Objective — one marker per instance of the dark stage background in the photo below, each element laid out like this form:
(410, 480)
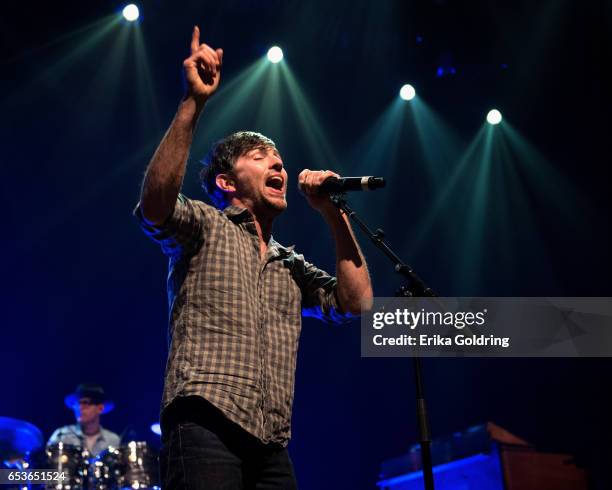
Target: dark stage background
(84, 299)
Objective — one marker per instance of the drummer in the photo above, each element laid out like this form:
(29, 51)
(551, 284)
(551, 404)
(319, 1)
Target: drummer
(88, 403)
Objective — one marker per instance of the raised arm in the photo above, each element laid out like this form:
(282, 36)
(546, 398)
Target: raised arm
(164, 175)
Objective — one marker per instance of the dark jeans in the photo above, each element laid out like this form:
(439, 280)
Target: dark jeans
(203, 450)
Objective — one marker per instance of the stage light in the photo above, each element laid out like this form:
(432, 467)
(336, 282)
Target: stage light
(494, 117)
(407, 92)
(156, 428)
(275, 54)
(130, 12)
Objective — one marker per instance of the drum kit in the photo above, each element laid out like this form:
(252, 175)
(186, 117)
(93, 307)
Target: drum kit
(130, 466)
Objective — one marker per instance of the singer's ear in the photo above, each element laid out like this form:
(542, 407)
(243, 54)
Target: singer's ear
(225, 183)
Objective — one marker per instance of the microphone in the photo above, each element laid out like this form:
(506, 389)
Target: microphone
(350, 184)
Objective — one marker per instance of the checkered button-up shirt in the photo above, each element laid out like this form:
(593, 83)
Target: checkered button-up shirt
(235, 319)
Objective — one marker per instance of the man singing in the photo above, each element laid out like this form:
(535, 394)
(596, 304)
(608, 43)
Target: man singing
(236, 297)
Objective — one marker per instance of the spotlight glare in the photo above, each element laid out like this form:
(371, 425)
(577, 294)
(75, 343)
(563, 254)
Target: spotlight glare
(275, 54)
(494, 117)
(407, 92)
(130, 12)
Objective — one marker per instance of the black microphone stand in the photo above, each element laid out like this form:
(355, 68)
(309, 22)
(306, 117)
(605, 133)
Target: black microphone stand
(417, 288)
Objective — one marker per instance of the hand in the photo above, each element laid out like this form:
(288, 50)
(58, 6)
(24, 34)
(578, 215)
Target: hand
(202, 69)
(309, 182)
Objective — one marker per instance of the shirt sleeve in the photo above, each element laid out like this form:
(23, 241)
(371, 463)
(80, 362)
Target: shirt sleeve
(112, 438)
(183, 232)
(319, 298)
(54, 437)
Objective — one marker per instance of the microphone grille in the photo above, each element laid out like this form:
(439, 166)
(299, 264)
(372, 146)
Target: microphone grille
(376, 182)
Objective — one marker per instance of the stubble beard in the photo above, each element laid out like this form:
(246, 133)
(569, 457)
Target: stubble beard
(275, 205)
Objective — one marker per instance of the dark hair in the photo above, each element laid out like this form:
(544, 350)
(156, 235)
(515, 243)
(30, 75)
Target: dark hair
(222, 157)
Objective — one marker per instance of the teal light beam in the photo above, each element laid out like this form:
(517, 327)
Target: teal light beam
(54, 73)
(268, 117)
(449, 195)
(469, 269)
(438, 141)
(147, 94)
(312, 129)
(231, 108)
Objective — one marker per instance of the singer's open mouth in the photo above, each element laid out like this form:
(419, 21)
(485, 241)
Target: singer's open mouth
(275, 182)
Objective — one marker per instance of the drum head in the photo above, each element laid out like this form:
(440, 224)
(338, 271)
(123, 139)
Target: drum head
(139, 463)
(69, 460)
(104, 470)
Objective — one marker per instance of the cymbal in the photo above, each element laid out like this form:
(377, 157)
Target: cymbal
(18, 438)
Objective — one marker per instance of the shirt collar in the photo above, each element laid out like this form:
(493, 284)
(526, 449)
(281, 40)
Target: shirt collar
(281, 250)
(78, 431)
(238, 214)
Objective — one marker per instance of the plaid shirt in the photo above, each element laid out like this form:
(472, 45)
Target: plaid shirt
(235, 320)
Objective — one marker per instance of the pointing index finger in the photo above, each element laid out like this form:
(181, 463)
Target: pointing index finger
(195, 39)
